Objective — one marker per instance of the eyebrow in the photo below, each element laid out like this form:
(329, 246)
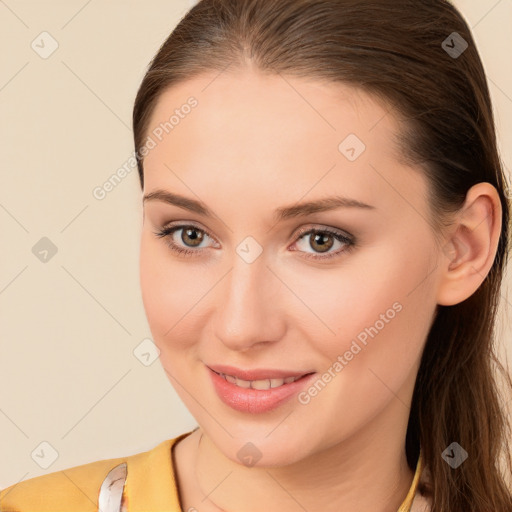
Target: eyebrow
(280, 214)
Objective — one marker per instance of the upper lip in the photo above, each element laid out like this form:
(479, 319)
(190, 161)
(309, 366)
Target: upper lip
(257, 373)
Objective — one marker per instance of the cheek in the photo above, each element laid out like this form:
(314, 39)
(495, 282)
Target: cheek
(169, 292)
(374, 311)
(379, 308)
(176, 294)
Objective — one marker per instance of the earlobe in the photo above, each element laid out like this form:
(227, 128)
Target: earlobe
(470, 249)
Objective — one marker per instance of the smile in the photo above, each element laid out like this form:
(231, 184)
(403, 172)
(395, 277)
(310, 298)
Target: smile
(259, 384)
(258, 396)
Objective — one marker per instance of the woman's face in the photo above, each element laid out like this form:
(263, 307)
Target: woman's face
(259, 289)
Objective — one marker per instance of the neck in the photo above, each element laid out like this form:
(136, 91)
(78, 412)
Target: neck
(367, 471)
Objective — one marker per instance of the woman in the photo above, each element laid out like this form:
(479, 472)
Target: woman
(272, 132)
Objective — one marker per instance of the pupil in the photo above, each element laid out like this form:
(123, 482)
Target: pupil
(319, 238)
(189, 234)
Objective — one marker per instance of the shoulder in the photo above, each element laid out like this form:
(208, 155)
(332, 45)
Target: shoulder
(76, 489)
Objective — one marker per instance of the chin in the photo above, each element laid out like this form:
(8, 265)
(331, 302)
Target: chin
(260, 450)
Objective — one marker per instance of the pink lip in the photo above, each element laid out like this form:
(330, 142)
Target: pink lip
(256, 401)
(256, 374)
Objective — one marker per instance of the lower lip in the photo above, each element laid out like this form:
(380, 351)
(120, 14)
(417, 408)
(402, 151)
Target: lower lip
(256, 401)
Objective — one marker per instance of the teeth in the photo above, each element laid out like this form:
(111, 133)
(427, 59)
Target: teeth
(229, 378)
(275, 383)
(258, 384)
(242, 383)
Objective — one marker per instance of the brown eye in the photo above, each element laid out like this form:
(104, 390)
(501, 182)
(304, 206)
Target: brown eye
(317, 243)
(190, 236)
(186, 243)
(321, 242)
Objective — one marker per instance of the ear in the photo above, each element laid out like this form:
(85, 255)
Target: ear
(470, 249)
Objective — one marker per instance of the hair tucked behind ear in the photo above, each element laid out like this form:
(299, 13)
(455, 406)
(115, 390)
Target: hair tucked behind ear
(392, 50)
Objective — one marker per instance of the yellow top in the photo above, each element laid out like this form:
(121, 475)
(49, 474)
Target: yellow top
(150, 486)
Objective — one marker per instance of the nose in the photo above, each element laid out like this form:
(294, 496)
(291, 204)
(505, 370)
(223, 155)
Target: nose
(248, 306)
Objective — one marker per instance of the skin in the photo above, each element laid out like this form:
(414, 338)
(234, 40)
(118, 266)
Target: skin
(255, 143)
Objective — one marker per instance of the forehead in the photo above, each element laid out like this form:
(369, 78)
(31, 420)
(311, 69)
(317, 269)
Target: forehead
(275, 133)
(248, 103)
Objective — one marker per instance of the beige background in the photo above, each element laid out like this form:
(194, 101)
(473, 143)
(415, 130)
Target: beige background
(69, 326)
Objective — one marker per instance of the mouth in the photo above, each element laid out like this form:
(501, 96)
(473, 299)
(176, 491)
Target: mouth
(258, 396)
(261, 384)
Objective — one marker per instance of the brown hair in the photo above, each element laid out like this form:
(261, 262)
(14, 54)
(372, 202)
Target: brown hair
(393, 50)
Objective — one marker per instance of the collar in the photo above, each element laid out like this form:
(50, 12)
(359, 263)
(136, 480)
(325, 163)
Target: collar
(406, 505)
(147, 483)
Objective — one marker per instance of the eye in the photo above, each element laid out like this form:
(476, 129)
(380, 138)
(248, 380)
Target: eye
(190, 235)
(188, 243)
(323, 240)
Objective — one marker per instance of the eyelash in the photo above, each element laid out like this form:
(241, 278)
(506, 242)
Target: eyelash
(349, 241)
